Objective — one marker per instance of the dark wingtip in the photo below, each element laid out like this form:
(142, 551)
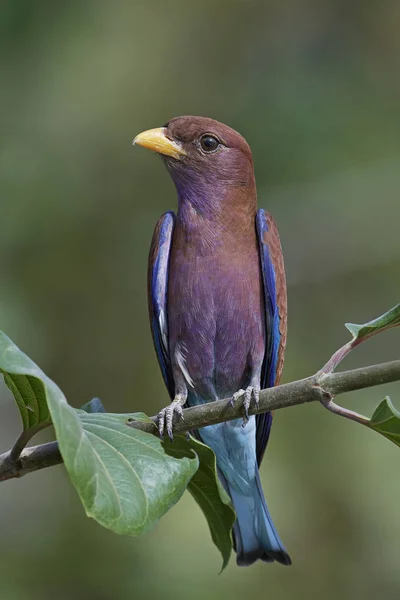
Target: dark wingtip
(280, 557)
(248, 558)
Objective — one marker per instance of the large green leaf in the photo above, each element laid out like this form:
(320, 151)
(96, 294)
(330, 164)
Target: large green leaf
(386, 420)
(124, 477)
(24, 380)
(390, 319)
(209, 494)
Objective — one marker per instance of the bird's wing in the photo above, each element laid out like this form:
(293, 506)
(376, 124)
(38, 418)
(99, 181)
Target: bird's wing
(275, 301)
(157, 281)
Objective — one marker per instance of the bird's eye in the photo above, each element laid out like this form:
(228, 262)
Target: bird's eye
(209, 143)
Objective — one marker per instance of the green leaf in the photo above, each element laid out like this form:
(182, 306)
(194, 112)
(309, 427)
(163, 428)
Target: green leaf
(386, 421)
(139, 416)
(124, 477)
(362, 332)
(24, 379)
(390, 319)
(207, 490)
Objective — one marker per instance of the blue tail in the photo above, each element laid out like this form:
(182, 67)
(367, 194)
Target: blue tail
(255, 536)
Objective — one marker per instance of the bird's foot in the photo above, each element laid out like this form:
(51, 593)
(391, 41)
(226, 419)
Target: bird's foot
(166, 416)
(249, 393)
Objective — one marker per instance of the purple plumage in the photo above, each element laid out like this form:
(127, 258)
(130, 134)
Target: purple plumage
(217, 300)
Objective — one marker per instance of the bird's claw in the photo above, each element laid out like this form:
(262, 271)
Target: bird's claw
(165, 418)
(248, 393)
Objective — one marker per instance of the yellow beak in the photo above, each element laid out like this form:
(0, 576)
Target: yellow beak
(156, 140)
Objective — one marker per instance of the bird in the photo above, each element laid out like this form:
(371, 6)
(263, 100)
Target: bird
(218, 309)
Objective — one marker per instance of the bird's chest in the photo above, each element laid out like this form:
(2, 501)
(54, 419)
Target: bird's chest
(215, 310)
(216, 294)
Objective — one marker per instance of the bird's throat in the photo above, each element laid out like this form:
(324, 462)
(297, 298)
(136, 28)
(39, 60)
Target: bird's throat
(209, 219)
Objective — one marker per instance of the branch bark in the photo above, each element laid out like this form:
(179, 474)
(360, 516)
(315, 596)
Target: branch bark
(321, 387)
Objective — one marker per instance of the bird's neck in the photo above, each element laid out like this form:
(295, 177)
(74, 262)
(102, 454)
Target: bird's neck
(211, 216)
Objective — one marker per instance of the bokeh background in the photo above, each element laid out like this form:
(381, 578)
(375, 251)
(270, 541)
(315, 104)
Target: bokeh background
(314, 87)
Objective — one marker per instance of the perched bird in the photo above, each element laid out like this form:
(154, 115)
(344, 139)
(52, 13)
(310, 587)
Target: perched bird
(217, 303)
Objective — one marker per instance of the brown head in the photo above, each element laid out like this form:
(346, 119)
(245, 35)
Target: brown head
(206, 159)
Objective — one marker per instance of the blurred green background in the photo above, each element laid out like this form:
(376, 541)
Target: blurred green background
(314, 87)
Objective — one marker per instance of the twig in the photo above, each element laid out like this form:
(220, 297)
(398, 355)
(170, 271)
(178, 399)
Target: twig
(23, 441)
(31, 459)
(322, 387)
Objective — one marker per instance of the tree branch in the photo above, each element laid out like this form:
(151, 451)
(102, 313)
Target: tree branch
(321, 387)
(31, 459)
(23, 441)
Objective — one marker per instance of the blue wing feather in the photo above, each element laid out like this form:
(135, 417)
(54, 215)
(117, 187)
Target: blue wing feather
(273, 336)
(158, 292)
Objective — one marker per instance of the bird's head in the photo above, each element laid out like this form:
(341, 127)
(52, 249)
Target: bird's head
(205, 158)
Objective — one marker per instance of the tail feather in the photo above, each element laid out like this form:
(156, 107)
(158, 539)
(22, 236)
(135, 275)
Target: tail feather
(255, 536)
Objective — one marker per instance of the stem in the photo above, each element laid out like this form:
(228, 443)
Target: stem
(23, 440)
(337, 358)
(345, 412)
(321, 387)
